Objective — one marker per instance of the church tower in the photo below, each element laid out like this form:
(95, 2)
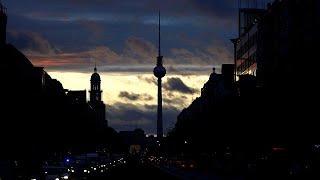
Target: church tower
(3, 24)
(95, 91)
(95, 100)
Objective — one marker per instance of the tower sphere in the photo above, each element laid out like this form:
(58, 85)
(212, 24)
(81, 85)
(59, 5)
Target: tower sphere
(159, 71)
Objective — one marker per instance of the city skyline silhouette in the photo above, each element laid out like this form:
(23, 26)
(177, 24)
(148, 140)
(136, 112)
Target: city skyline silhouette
(232, 94)
(126, 55)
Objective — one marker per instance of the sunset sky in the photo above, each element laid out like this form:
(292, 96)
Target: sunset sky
(67, 38)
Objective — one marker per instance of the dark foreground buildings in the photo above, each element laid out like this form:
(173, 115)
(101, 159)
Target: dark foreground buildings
(271, 99)
(39, 118)
(278, 48)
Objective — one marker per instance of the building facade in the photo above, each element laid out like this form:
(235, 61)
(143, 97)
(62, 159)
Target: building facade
(273, 43)
(245, 46)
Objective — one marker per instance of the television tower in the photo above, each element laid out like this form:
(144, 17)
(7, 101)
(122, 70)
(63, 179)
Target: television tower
(159, 71)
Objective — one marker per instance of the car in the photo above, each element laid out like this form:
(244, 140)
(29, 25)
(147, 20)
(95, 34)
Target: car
(187, 164)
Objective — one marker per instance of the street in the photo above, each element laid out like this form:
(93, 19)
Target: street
(134, 171)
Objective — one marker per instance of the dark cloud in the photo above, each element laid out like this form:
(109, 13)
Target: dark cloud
(150, 80)
(176, 84)
(42, 53)
(181, 52)
(130, 96)
(173, 95)
(183, 97)
(183, 15)
(188, 70)
(122, 116)
(135, 57)
(174, 101)
(169, 94)
(140, 49)
(32, 41)
(122, 33)
(148, 98)
(218, 8)
(150, 107)
(220, 52)
(134, 96)
(96, 29)
(215, 8)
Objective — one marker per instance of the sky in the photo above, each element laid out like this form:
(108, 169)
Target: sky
(68, 37)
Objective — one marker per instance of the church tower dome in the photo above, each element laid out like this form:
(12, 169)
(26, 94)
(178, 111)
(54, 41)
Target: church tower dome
(95, 77)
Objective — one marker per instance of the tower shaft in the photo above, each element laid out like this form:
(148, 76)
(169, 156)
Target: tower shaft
(159, 115)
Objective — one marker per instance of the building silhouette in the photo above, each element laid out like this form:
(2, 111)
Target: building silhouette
(95, 100)
(277, 49)
(208, 116)
(274, 41)
(3, 24)
(159, 71)
(275, 84)
(38, 116)
(77, 97)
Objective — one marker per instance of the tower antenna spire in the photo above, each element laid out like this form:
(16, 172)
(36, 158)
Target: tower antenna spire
(95, 66)
(159, 50)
